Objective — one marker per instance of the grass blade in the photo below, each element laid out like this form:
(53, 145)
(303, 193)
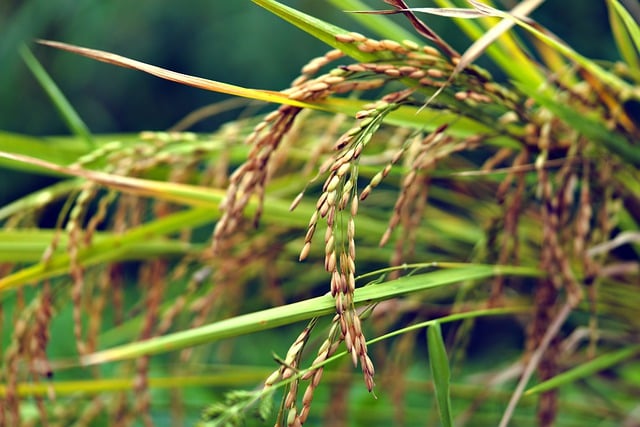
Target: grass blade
(585, 370)
(59, 152)
(440, 372)
(481, 44)
(111, 248)
(626, 33)
(68, 113)
(292, 313)
(198, 82)
(548, 38)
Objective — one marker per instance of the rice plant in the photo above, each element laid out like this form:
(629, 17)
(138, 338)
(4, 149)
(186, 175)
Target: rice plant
(401, 212)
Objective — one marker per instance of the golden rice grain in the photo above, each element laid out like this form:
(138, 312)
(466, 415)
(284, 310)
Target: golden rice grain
(345, 38)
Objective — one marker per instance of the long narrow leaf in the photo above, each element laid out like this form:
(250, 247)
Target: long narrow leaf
(59, 153)
(170, 191)
(319, 29)
(626, 32)
(28, 245)
(475, 50)
(239, 376)
(111, 248)
(199, 82)
(304, 310)
(585, 370)
(439, 363)
(548, 38)
(68, 113)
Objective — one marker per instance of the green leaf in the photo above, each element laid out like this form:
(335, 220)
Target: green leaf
(112, 247)
(440, 372)
(28, 245)
(585, 370)
(68, 113)
(231, 375)
(626, 33)
(304, 310)
(549, 39)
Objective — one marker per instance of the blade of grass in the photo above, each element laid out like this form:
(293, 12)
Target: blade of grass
(585, 370)
(113, 247)
(334, 105)
(67, 112)
(480, 45)
(439, 363)
(231, 376)
(40, 198)
(533, 362)
(626, 33)
(28, 245)
(548, 38)
(416, 327)
(292, 313)
(327, 33)
(170, 191)
(198, 82)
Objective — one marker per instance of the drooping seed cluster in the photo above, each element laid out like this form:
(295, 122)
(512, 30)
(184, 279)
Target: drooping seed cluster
(118, 158)
(338, 202)
(28, 344)
(93, 290)
(338, 206)
(423, 65)
(250, 179)
(290, 367)
(428, 67)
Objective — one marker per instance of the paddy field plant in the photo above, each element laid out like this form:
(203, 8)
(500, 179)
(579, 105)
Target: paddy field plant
(398, 238)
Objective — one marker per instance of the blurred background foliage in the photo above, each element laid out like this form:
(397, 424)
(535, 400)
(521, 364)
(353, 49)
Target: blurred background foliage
(229, 41)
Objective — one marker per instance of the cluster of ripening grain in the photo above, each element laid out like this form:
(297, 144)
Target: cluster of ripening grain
(421, 72)
(337, 205)
(418, 67)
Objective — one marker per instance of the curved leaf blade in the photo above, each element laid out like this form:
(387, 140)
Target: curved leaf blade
(304, 310)
(198, 82)
(439, 363)
(585, 370)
